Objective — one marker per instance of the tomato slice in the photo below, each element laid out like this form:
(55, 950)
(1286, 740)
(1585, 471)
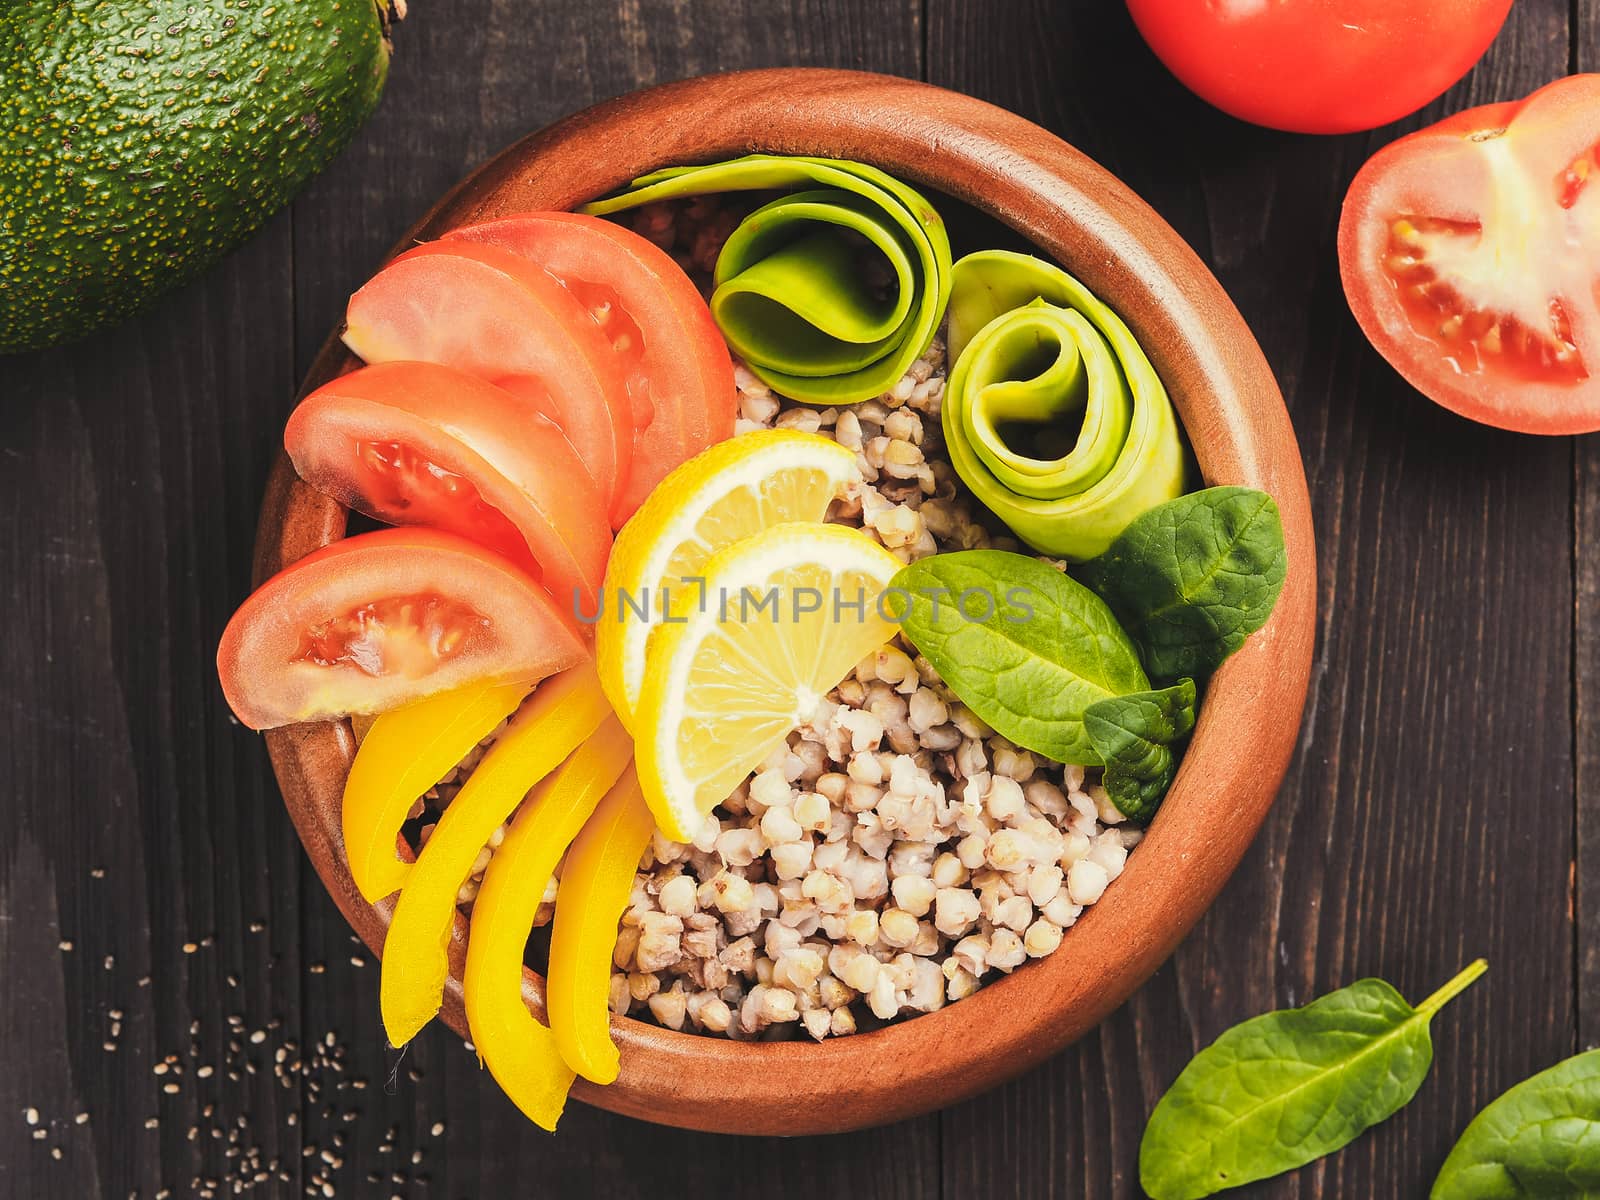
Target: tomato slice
(421, 444)
(383, 619)
(493, 313)
(1470, 253)
(677, 367)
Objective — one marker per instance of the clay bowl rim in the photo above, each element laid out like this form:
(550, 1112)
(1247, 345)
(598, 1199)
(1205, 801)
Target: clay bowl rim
(1079, 214)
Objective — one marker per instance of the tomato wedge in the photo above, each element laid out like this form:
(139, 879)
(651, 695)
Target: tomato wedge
(678, 371)
(421, 444)
(383, 619)
(494, 314)
(1470, 253)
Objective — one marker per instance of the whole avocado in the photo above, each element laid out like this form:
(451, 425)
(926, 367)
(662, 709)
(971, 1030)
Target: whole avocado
(141, 141)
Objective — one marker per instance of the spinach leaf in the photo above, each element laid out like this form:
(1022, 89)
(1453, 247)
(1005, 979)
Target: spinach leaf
(1192, 578)
(1134, 736)
(1025, 647)
(1286, 1088)
(1539, 1141)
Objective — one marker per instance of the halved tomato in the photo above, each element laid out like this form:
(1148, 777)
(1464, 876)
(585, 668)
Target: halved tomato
(1470, 253)
(493, 313)
(679, 374)
(383, 619)
(421, 444)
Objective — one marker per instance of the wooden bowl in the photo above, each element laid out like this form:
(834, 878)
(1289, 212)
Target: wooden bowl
(1083, 217)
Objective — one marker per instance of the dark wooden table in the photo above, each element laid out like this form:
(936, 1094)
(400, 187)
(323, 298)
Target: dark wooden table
(1443, 804)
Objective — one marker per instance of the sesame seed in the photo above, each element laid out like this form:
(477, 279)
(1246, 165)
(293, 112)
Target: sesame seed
(438, 1128)
(40, 1134)
(190, 947)
(65, 945)
(81, 1119)
(31, 1115)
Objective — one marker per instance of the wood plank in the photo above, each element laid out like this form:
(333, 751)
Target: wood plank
(1586, 652)
(460, 90)
(131, 466)
(1427, 819)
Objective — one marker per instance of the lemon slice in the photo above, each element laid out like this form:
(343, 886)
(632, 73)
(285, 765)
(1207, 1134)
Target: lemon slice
(788, 613)
(734, 489)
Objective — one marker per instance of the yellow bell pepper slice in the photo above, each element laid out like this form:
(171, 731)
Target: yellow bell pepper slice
(595, 885)
(404, 753)
(564, 711)
(521, 1053)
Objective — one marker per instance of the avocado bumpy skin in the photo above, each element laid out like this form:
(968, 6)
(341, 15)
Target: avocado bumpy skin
(141, 141)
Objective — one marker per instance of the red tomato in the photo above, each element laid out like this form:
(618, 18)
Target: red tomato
(421, 444)
(1470, 253)
(1319, 66)
(680, 377)
(381, 620)
(493, 313)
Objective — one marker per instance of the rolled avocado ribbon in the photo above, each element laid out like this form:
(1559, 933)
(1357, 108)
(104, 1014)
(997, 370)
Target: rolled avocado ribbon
(793, 296)
(1033, 347)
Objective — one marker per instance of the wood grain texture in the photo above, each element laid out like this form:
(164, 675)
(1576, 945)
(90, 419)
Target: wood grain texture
(1431, 816)
(1586, 653)
(131, 464)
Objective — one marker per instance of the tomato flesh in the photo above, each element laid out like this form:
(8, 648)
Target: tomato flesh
(383, 619)
(626, 339)
(1470, 255)
(417, 443)
(397, 635)
(1472, 339)
(493, 314)
(678, 376)
(403, 487)
(1569, 187)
